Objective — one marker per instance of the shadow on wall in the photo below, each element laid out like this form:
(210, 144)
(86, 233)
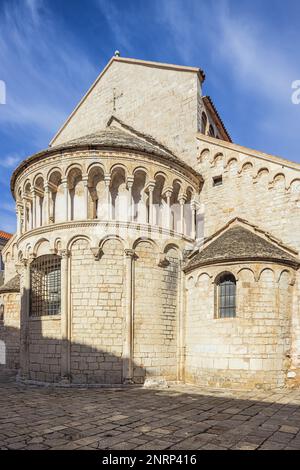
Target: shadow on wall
(40, 358)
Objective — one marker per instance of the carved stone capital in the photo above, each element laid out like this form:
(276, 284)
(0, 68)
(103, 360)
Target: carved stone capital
(97, 252)
(63, 253)
(163, 262)
(129, 253)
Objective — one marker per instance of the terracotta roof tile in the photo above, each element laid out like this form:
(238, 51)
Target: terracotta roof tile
(5, 235)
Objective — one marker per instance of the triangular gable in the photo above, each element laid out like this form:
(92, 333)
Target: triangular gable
(239, 240)
(114, 59)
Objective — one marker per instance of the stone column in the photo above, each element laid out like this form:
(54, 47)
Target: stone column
(181, 325)
(65, 317)
(66, 196)
(130, 204)
(25, 215)
(182, 200)
(128, 330)
(47, 204)
(86, 196)
(151, 186)
(24, 269)
(34, 220)
(168, 194)
(107, 180)
(193, 209)
(19, 224)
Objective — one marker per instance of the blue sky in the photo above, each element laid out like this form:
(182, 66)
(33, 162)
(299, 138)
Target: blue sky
(52, 50)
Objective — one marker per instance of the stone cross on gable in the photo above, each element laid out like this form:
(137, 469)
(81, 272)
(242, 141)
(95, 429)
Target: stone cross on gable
(115, 98)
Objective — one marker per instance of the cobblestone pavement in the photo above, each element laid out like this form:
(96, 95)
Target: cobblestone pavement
(181, 417)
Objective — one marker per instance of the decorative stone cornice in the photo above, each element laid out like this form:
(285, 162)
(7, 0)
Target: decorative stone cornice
(163, 262)
(105, 223)
(130, 253)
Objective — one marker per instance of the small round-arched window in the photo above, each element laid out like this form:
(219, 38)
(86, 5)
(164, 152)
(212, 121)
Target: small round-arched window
(226, 296)
(45, 285)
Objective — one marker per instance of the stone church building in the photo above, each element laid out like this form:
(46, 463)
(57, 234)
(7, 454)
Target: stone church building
(150, 247)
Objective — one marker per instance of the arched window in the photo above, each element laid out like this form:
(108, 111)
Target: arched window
(226, 296)
(45, 285)
(211, 131)
(203, 123)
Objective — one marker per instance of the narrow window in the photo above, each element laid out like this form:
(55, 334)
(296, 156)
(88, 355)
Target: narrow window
(45, 283)
(226, 296)
(1, 313)
(203, 123)
(217, 180)
(211, 131)
(1, 263)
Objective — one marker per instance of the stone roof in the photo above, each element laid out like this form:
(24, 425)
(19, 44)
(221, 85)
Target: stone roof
(114, 137)
(13, 285)
(240, 244)
(111, 137)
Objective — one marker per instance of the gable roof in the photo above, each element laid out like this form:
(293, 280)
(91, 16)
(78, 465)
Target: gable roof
(214, 112)
(146, 63)
(239, 243)
(13, 285)
(5, 235)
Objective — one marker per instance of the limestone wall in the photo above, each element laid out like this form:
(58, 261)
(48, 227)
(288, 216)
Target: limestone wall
(10, 331)
(155, 314)
(45, 348)
(259, 188)
(97, 314)
(251, 350)
(165, 106)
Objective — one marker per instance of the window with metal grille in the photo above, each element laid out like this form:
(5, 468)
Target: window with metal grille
(226, 296)
(45, 284)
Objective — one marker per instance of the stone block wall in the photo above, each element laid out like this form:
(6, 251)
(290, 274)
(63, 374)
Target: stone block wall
(10, 331)
(155, 314)
(166, 104)
(45, 348)
(251, 350)
(97, 313)
(265, 192)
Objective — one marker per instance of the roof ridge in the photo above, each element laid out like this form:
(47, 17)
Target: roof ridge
(239, 243)
(141, 135)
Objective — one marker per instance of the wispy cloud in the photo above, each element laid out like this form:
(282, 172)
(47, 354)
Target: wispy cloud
(10, 161)
(119, 23)
(46, 71)
(261, 64)
(38, 62)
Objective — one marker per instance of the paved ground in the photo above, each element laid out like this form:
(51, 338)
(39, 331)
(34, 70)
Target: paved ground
(175, 418)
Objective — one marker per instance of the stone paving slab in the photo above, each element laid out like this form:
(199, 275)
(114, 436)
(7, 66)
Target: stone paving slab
(180, 417)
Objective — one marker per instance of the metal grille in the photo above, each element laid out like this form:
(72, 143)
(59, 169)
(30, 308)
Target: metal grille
(227, 296)
(45, 282)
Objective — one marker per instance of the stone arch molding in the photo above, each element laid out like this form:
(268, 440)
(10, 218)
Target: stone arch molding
(62, 188)
(278, 178)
